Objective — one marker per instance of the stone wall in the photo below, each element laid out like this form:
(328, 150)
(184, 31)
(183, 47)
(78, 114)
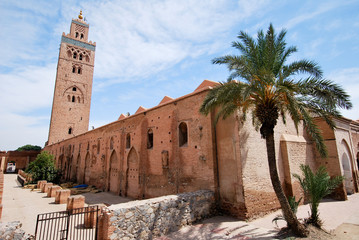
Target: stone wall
(12, 230)
(150, 218)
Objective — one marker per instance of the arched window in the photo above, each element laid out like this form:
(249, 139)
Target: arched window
(98, 146)
(68, 98)
(111, 143)
(79, 70)
(73, 98)
(73, 69)
(70, 130)
(87, 58)
(82, 36)
(76, 35)
(74, 89)
(80, 57)
(128, 140)
(79, 99)
(149, 139)
(182, 134)
(75, 55)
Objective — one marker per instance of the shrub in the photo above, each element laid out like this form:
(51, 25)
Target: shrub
(316, 186)
(43, 168)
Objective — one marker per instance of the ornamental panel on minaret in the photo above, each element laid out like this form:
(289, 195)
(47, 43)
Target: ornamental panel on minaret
(73, 86)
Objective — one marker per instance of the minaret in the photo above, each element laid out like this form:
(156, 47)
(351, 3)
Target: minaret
(72, 96)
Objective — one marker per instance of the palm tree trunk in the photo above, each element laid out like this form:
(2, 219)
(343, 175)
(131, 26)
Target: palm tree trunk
(289, 216)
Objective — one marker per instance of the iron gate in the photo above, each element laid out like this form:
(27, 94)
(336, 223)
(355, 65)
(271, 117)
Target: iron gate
(80, 223)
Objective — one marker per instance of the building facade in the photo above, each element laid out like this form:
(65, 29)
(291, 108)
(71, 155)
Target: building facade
(172, 148)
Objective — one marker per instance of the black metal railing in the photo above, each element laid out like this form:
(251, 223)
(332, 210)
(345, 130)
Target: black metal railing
(80, 223)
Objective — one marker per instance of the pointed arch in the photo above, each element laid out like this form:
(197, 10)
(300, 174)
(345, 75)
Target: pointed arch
(87, 168)
(150, 138)
(346, 167)
(70, 90)
(128, 140)
(132, 173)
(111, 143)
(77, 166)
(113, 183)
(182, 134)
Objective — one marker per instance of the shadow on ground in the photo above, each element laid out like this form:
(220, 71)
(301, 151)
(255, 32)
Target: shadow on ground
(221, 227)
(106, 198)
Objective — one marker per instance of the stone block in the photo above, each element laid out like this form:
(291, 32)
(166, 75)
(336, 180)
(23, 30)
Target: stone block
(74, 202)
(46, 186)
(40, 183)
(62, 195)
(52, 191)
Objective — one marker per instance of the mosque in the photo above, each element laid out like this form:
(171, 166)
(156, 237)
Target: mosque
(171, 148)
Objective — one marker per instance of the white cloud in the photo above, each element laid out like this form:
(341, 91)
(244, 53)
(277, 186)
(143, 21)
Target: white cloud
(307, 15)
(27, 88)
(18, 130)
(137, 39)
(349, 79)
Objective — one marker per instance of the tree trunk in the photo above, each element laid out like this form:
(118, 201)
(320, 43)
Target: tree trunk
(289, 216)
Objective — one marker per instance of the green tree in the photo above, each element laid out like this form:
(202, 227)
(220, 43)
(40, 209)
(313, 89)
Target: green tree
(316, 186)
(29, 147)
(269, 89)
(43, 168)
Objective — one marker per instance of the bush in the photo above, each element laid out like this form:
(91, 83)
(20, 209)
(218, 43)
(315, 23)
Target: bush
(43, 168)
(316, 186)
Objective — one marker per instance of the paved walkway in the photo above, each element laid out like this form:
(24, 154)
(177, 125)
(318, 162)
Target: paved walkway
(24, 205)
(342, 216)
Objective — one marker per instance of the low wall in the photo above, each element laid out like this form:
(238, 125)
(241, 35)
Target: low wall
(154, 217)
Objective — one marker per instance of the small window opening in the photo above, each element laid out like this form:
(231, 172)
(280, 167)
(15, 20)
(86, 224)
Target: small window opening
(73, 98)
(87, 58)
(73, 69)
(128, 140)
(79, 71)
(80, 57)
(75, 55)
(111, 143)
(183, 134)
(82, 36)
(70, 130)
(98, 146)
(76, 35)
(74, 89)
(79, 101)
(149, 139)
(68, 98)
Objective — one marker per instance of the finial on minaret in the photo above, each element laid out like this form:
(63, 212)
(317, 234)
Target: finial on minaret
(80, 15)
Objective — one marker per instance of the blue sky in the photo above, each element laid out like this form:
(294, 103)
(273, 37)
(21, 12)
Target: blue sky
(148, 49)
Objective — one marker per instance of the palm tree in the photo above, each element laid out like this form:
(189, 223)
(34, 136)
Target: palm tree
(270, 88)
(316, 186)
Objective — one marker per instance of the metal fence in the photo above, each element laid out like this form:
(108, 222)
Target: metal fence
(80, 223)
